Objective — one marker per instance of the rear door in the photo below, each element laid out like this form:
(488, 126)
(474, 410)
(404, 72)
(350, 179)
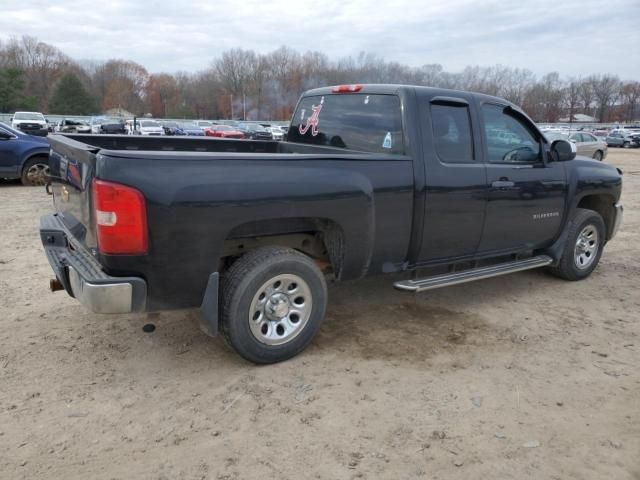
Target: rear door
(526, 194)
(456, 181)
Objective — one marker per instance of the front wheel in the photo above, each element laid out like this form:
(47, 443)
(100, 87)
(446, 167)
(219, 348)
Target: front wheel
(35, 172)
(273, 302)
(598, 156)
(583, 248)
(626, 145)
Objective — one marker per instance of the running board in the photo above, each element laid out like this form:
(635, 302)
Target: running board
(464, 276)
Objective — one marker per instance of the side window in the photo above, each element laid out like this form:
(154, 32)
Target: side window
(508, 139)
(587, 137)
(452, 133)
(577, 137)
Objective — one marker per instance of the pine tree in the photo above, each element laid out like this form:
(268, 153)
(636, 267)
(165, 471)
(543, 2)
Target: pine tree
(71, 98)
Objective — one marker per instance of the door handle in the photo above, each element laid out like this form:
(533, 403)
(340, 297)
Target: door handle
(502, 184)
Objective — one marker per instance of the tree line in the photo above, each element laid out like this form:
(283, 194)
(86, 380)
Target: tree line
(243, 84)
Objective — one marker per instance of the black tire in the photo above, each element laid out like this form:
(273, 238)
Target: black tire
(581, 220)
(243, 283)
(31, 178)
(626, 145)
(597, 156)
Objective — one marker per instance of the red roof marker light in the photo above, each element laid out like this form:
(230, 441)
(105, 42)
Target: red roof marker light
(356, 87)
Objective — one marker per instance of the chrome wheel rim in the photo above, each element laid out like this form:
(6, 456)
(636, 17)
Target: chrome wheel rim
(586, 247)
(38, 174)
(280, 309)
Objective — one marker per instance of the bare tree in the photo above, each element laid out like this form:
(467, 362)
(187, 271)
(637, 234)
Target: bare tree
(605, 90)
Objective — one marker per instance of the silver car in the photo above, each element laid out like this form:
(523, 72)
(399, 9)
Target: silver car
(586, 144)
(624, 139)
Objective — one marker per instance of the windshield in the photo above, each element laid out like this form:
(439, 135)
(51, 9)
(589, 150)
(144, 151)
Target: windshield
(368, 123)
(223, 128)
(149, 123)
(28, 116)
(170, 124)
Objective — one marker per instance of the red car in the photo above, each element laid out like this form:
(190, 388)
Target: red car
(223, 131)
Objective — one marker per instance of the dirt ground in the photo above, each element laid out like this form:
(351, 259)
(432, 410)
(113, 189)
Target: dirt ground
(522, 376)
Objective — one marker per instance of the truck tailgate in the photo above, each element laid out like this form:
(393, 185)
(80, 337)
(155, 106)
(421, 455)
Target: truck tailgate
(72, 167)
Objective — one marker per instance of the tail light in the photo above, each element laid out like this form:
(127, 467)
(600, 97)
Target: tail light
(347, 88)
(121, 219)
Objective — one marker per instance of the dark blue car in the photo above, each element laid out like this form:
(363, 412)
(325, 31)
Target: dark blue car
(23, 156)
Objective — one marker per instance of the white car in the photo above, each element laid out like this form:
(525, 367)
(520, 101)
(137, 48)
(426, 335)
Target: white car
(277, 132)
(32, 123)
(149, 127)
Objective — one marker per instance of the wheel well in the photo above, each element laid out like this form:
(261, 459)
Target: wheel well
(603, 204)
(36, 155)
(321, 239)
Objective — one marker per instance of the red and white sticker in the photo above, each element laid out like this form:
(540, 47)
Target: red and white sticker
(313, 121)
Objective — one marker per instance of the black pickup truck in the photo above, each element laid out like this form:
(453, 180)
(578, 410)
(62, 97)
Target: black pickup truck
(450, 186)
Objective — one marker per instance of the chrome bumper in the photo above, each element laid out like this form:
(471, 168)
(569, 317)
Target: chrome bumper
(617, 219)
(101, 297)
(82, 276)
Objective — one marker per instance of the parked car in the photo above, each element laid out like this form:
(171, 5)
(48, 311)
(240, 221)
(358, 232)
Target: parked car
(72, 125)
(223, 131)
(254, 131)
(148, 127)
(622, 138)
(586, 143)
(107, 125)
(249, 232)
(32, 123)
(172, 128)
(191, 130)
(276, 132)
(23, 156)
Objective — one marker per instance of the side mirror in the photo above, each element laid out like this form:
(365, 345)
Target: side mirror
(563, 151)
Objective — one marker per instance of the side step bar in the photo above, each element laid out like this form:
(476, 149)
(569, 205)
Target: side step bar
(464, 276)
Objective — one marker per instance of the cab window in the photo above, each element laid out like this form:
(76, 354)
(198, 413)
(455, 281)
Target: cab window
(452, 133)
(508, 139)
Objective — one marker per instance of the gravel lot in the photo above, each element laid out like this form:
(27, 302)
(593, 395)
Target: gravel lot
(523, 376)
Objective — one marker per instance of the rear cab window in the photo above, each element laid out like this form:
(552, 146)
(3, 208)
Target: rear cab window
(369, 123)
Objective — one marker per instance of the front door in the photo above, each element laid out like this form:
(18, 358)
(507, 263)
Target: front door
(456, 182)
(526, 194)
(8, 157)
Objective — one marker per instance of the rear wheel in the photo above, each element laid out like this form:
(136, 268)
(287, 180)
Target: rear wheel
(35, 172)
(273, 302)
(583, 248)
(598, 156)
(626, 145)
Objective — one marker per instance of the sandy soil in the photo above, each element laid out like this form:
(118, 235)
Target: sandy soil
(523, 376)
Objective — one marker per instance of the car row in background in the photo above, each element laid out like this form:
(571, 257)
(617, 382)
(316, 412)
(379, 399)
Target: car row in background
(35, 123)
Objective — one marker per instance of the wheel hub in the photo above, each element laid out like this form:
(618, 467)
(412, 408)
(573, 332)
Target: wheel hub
(586, 247)
(277, 307)
(280, 309)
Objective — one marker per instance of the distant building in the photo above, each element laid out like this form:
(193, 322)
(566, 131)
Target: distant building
(579, 118)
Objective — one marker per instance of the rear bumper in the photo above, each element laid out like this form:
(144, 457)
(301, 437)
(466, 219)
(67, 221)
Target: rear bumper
(617, 219)
(82, 276)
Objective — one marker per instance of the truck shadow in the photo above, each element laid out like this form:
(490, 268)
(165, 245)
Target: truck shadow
(370, 320)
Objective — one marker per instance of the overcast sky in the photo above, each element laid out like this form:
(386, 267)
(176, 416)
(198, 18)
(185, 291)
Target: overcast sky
(573, 37)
